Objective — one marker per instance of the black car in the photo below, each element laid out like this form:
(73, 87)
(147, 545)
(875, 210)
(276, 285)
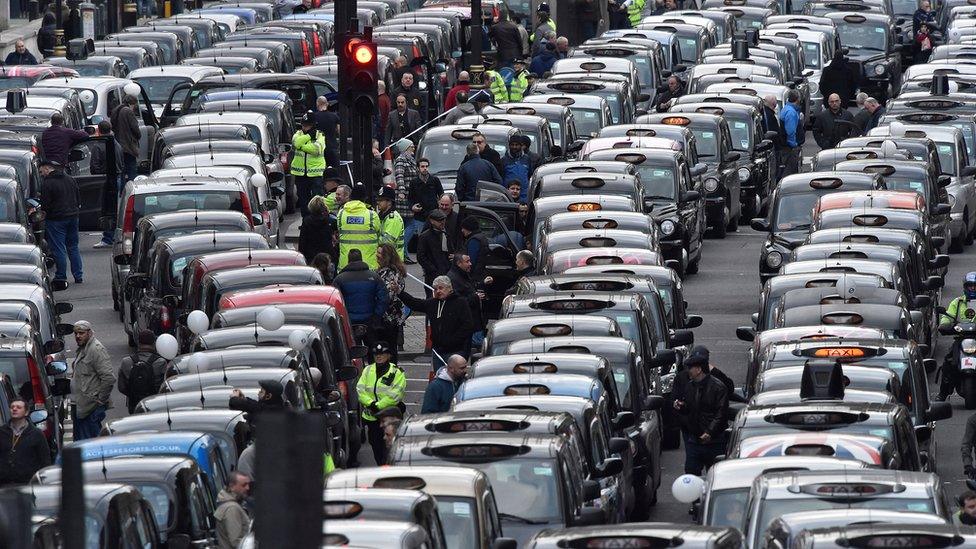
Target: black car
(872, 48)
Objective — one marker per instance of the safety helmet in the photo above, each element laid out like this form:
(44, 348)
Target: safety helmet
(969, 285)
(308, 119)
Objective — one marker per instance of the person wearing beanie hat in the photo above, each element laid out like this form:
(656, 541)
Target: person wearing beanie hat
(141, 373)
(269, 400)
(701, 403)
(381, 386)
(404, 174)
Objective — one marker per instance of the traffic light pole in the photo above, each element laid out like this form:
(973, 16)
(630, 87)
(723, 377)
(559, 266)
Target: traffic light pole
(345, 21)
(476, 70)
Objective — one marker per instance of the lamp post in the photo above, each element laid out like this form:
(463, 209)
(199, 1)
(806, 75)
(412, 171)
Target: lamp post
(59, 47)
(476, 70)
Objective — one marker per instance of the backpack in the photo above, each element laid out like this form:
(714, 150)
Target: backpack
(142, 378)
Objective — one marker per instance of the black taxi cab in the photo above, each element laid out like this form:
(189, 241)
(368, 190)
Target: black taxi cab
(505, 331)
(872, 47)
(617, 92)
(590, 112)
(445, 147)
(910, 241)
(579, 166)
(542, 208)
(561, 184)
(870, 219)
(593, 238)
(790, 206)
(625, 221)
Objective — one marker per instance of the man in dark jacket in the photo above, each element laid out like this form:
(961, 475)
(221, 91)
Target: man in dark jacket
(23, 448)
(57, 140)
(269, 400)
(416, 100)
(471, 290)
(508, 40)
(839, 77)
(317, 230)
(862, 116)
(475, 246)
(441, 389)
(20, 55)
(674, 90)
(518, 165)
(364, 292)
(701, 402)
(61, 202)
(403, 121)
(99, 165)
(433, 248)
(877, 110)
(474, 169)
(485, 150)
(543, 61)
(450, 320)
(125, 122)
(833, 125)
(134, 381)
(327, 122)
(422, 194)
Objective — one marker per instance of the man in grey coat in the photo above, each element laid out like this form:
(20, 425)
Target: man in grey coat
(125, 123)
(233, 522)
(91, 383)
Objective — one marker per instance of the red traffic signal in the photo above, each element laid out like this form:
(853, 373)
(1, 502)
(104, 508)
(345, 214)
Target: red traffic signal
(360, 51)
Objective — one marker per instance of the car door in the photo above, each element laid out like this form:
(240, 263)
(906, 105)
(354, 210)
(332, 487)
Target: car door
(500, 263)
(692, 212)
(91, 186)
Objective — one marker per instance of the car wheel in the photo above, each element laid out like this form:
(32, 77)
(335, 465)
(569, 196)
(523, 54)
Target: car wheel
(693, 266)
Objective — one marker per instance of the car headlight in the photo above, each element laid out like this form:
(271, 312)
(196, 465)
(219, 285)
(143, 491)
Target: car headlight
(743, 174)
(711, 184)
(968, 346)
(879, 70)
(814, 87)
(668, 227)
(952, 201)
(774, 260)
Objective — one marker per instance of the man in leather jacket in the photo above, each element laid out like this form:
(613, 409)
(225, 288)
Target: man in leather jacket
(701, 402)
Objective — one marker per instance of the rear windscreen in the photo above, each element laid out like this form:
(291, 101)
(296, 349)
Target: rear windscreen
(171, 201)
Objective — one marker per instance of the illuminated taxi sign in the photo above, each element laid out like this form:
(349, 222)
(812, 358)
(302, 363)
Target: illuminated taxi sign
(535, 368)
(477, 425)
(576, 86)
(526, 389)
(604, 260)
(870, 220)
(815, 419)
(826, 183)
(600, 224)
(676, 121)
(550, 330)
(588, 182)
(641, 132)
(849, 490)
(631, 158)
(593, 66)
(464, 134)
(851, 319)
(521, 110)
(584, 207)
(598, 242)
(564, 101)
(573, 305)
(934, 541)
(839, 352)
(401, 483)
(855, 19)
(711, 110)
(861, 155)
(341, 509)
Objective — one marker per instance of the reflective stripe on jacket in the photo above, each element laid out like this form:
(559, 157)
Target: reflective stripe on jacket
(392, 231)
(384, 391)
(359, 228)
(309, 160)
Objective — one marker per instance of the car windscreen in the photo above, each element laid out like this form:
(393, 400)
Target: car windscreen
(11, 82)
(159, 500)
(459, 520)
(794, 211)
(811, 55)
(689, 47)
(706, 141)
(525, 488)
(726, 507)
(947, 157)
(171, 201)
(160, 87)
(908, 181)
(8, 205)
(587, 120)
(17, 369)
(863, 36)
(659, 181)
(741, 130)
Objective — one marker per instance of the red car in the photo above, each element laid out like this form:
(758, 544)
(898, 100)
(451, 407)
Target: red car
(24, 76)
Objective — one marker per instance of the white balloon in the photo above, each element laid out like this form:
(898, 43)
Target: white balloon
(167, 346)
(132, 89)
(271, 318)
(259, 180)
(197, 322)
(297, 340)
(687, 488)
(86, 96)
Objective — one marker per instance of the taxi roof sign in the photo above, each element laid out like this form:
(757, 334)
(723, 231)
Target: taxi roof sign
(932, 540)
(816, 420)
(870, 220)
(564, 101)
(588, 182)
(676, 121)
(535, 368)
(401, 483)
(341, 509)
(550, 330)
(826, 183)
(613, 541)
(475, 425)
(584, 207)
(527, 389)
(822, 381)
(853, 490)
(600, 224)
(598, 242)
(475, 451)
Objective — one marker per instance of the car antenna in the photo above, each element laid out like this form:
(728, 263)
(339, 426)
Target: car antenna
(104, 468)
(196, 364)
(222, 370)
(169, 420)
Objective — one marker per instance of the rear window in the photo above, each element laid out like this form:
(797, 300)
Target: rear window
(16, 368)
(12, 82)
(170, 201)
(159, 501)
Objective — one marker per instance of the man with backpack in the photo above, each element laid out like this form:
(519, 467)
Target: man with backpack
(141, 374)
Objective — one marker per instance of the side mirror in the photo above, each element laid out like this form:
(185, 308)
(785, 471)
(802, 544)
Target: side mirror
(624, 420)
(37, 216)
(938, 262)
(648, 205)
(64, 329)
(937, 241)
(358, 351)
(591, 491)
(653, 402)
(760, 224)
(504, 543)
(934, 282)
(333, 419)
(617, 445)
(171, 301)
(590, 516)
(49, 262)
(53, 346)
(63, 308)
(610, 467)
(941, 209)
(269, 205)
(921, 301)
(690, 196)
(641, 112)
(75, 155)
(771, 135)
(938, 411)
(693, 321)
(923, 433)
(698, 169)
(256, 220)
(56, 368)
(276, 177)
(663, 358)
(930, 364)
(556, 151)
(575, 146)
(121, 259)
(968, 171)
(682, 337)
(745, 333)
(38, 416)
(764, 145)
(332, 397)
(754, 317)
(61, 387)
(947, 329)
(732, 156)
(643, 98)
(346, 373)
(59, 285)
(137, 281)
(944, 180)
(277, 192)
(284, 148)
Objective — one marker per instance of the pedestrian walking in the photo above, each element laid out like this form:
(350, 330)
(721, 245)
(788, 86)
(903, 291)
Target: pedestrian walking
(520, 81)
(834, 124)
(233, 522)
(308, 163)
(451, 222)
(967, 447)
(701, 402)
(20, 55)
(61, 203)
(545, 23)
(393, 274)
(508, 40)
(364, 293)
(433, 248)
(793, 132)
(403, 121)
(91, 382)
(125, 122)
(462, 108)
(99, 165)
(381, 386)
(422, 195)
(24, 450)
(316, 234)
(588, 12)
(486, 152)
(327, 124)
(331, 183)
(404, 172)
(924, 43)
(58, 140)
(141, 373)
(451, 325)
(474, 169)
(359, 229)
(924, 14)
(391, 221)
(441, 389)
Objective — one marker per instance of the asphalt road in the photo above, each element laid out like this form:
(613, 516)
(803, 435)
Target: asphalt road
(724, 292)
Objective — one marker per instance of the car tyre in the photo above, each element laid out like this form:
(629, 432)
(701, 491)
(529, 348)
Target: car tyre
(721, 226)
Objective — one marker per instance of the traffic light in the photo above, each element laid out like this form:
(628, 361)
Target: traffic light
(362, 75)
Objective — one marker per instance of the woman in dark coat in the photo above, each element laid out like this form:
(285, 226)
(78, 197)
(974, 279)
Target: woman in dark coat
(45, 36)
(839, 77)
(315, 234)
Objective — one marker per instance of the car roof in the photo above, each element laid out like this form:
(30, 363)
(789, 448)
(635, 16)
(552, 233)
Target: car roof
(437, 480)
(804, 182)
(194, 72)
(740, 472)
(202, 218)
(211, 240)
(144, 468)
(179, 420)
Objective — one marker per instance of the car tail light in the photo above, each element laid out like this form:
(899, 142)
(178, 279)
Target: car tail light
(128, 225)
(286, 165)
(317, 43)
(344, 389)
(246, 204)
(165, 319)
(306, 55)
(416, 51)
(267, 218)
(37, 391)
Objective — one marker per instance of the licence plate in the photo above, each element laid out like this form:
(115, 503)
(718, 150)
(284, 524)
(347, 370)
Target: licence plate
(968, 363)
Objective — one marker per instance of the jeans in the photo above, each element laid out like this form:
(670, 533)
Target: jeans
(414, 226)
(130, 167)
(109, 236)
(698, 456)
(587, 30)
(62, 238)
(306, 188)
(791, 160)
(477, 339)
(91, 426)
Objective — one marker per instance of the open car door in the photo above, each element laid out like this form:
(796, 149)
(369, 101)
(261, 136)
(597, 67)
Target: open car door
(91, 185)
(175, 104)
(502, 247)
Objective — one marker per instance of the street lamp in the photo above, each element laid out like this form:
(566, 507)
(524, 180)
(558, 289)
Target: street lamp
(476, 70)
(59, 47)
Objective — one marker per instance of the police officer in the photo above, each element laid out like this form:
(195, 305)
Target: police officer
(390, 219)
(958, 311)
(308, 164)
(520, 82)
(546, 24)
(359, 228)
(635, 11)
(496, 83)
(380, 386)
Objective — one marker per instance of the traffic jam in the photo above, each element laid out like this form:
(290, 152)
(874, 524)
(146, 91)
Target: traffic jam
(677, 274)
